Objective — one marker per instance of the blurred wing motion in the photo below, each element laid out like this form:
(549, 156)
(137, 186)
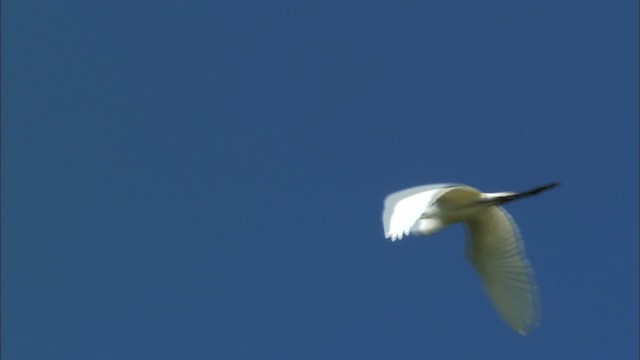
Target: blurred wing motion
(496, 251)
(403, 208)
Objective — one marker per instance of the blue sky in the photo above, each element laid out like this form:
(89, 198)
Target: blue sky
(205, 179)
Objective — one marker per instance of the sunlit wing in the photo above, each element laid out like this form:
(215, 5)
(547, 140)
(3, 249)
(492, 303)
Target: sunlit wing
(495, 249)
(403, 208)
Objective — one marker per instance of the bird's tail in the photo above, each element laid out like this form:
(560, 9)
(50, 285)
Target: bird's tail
(532, 192)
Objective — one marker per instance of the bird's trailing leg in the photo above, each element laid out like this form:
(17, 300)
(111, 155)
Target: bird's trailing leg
(532, 192)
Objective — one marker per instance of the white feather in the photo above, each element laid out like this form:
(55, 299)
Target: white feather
(495, 249)
(494, 246)
(403, 208)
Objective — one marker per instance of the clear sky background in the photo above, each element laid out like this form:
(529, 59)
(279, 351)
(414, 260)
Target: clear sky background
(205, 179)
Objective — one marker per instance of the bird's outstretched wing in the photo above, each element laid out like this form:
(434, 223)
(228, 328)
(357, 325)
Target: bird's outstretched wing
(403, 208)
(495, 249)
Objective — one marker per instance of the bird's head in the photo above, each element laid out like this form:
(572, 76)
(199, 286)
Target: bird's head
(427, 226)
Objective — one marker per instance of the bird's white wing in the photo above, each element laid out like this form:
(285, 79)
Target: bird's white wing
(495, 249)
(403, 208)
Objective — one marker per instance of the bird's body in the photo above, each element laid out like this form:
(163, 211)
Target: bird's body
(494, 246)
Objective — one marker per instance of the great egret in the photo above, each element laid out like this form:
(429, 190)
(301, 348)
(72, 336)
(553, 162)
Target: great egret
(493, 246)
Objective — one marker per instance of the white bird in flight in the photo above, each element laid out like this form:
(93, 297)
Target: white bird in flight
(493, 246)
